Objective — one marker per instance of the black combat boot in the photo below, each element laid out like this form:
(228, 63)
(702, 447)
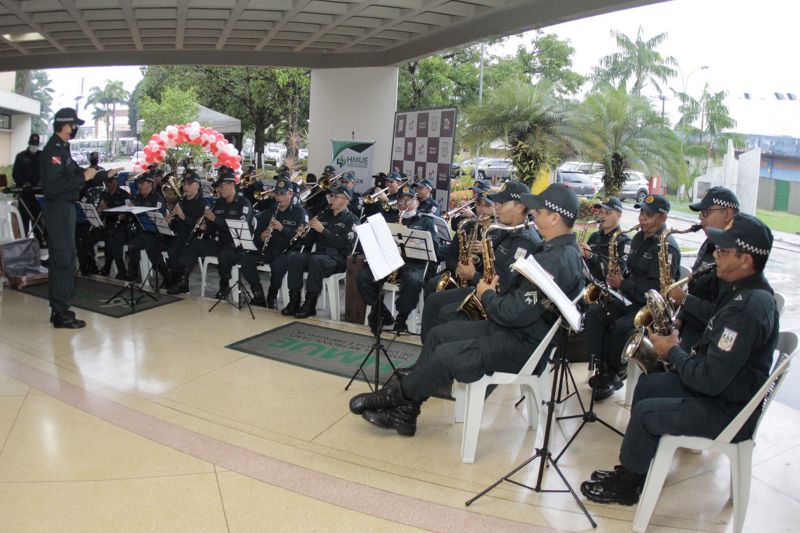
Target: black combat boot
(181, 285)
(389, 396)
(309, 307)
(258, 296)
(165, 281)
(66, 319)
(224, 289)
(294, 303)
(402, 418)
(400, 325)
(272, 297)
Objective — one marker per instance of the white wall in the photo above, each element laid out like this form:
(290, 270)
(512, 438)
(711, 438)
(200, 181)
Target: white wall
(351, 101)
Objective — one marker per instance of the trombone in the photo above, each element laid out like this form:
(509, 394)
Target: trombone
(372, 198)
(449, 214)
(322, 185)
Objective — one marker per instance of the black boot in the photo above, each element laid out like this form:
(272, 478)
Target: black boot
(621, 486)
(66, 319)
(224, 289)
(400, 325)
(402, 418)
(309, 307)
(258, 296)
(294, 303)
(389, 396)
(181, 285)
(272, 297)
(165, 276)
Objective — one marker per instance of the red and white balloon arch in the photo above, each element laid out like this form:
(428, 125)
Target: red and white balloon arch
(212, 141)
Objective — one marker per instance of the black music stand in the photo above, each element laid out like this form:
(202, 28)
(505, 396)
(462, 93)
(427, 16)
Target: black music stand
(130, 287)
(560, 365)
(383, 258)
(242, 236)
(161, 226)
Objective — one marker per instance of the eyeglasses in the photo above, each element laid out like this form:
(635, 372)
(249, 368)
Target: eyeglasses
(724, 252)
(705, 212)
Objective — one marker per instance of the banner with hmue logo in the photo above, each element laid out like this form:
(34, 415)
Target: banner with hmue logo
(355, 157)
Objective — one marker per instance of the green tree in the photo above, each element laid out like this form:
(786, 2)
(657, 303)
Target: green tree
(116, 94)
(703, 126)
(107, 98)
(440, 80)
(623, 131)
(177, 106)
(637, 60)
(550, 58)
(36, 84)
(528, 118)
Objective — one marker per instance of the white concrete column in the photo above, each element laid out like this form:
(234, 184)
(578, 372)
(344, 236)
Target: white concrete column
(351, 103)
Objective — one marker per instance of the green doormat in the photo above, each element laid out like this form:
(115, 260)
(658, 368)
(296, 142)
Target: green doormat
(327, 350)
(92, 295)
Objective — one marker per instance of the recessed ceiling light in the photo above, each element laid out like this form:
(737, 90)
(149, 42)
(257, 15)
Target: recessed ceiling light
(23, 37)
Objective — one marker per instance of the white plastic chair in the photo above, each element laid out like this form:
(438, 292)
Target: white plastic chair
(414, 318)
(470, 397)
(9, 215)
(780, 301)
(740, 454)
(331, 286)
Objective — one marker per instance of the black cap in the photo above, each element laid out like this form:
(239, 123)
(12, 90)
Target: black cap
(328, 170)
(510, 190)
(110, 178)
(394, 176)
(719, 196)
(250, 168)
(348, 176)
(744, 232)
(486, 196)
(67, 115)
(609, 202)
(424, 183)
(405, 190)
(284, 185)
(481, 185)
(147, 176)
(556, 197)
(379, 175)
(654, 203)
(341, 190)
(190, 176)
(33, 140)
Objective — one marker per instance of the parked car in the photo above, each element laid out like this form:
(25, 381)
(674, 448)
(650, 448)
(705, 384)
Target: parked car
(501, 169)
(636, 186)
(584, 178)
(467, 167)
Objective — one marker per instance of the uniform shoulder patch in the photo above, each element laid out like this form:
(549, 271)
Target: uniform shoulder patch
(55, 160)
(520, 253)
(727, 339)
(245, 210)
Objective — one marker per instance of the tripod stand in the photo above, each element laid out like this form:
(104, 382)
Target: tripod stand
(587, 415)
(242, 236)
(544, 454)
(130, 286)
(376, 351)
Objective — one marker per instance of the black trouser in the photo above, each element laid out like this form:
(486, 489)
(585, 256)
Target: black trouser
(186, 257)
(453, 351)
(442, 307)
(278, 265)
(87, 236)
(662, 405)
(63, 263)
(115, 245)
(247, 261)
(151, 244)
(411, 279)
(318, 266)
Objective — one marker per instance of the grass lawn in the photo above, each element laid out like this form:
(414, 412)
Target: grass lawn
(776, 220)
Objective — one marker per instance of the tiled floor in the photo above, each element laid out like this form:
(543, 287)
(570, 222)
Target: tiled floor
(148, 423)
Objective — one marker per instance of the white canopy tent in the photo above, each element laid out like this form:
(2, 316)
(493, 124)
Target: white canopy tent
(211, 119)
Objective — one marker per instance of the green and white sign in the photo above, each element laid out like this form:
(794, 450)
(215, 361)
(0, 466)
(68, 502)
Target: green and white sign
(356, 157)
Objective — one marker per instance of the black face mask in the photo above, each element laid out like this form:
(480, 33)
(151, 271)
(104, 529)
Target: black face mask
(74, 131)
(94, 161)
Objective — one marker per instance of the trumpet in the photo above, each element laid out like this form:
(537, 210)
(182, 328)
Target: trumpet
(263, 195)
(449, 214)
(322, 185)
(372, 198)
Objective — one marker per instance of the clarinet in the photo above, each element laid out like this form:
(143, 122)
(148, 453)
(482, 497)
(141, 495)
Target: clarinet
(269, 233)
(195, 230)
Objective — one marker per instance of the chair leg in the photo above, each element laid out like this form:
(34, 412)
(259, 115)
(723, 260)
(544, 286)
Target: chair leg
(459, 392)
(659, 468)
(475, 394)
(203, 272)
(633, 377)
(741, 472)
(532, 401)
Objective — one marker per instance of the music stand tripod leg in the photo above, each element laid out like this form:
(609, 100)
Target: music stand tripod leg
(376, 350)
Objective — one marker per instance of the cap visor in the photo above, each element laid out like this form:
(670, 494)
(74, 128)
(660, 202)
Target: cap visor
(646, 208)
(697, 206)
(720, 238)
(532, 201)
(79, 122)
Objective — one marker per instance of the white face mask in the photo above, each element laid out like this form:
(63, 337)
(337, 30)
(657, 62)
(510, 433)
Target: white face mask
(33, 149)
(409, 213)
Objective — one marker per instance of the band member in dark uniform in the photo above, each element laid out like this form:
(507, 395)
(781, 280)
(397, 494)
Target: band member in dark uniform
(62, 180)
(348, 181)
(643, 274)
(427, 203)
(517, 321)
(411, 276)
(317, 203)
(26, 173)
(509, 245)
(385, 202)
(716, 379)
(276, 227)
(716, 210)
(112, 196)
(183, 221)
(331, 236)
(478, 187)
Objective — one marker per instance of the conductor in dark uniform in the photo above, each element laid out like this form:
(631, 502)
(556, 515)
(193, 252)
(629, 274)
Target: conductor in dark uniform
(411, 276)
(716, 379)
(26, 174)
(517, 321)
(62, 180)
(331, 237)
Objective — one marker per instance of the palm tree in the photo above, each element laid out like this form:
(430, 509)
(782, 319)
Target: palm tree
(107, 99)
(97, 98)
(623, 131)
(528, 118)
(116, 94)
(710, 139)
(639, 60)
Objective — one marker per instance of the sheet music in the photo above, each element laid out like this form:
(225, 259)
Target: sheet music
(531, 269)
(241, 234)
(383, 256)
(134, 209)
(91, 215)
(161, 223)
(417, 243)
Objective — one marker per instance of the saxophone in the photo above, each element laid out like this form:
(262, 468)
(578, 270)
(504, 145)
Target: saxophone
(594, 293)
(472, 306)
(447, 279)
(582, 234)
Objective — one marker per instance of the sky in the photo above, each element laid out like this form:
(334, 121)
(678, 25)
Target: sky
(747, 45)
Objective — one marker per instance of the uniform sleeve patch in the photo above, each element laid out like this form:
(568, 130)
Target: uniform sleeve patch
(520, 253)
(55, 160)
(245, 210)
(727, 339)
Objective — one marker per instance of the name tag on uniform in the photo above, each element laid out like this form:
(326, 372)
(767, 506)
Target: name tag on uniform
(647, 255)
(520, 253)
(627, 248)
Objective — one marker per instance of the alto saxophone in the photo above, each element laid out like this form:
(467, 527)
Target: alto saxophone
(472, 306)
(594, 293)
(447, 279)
